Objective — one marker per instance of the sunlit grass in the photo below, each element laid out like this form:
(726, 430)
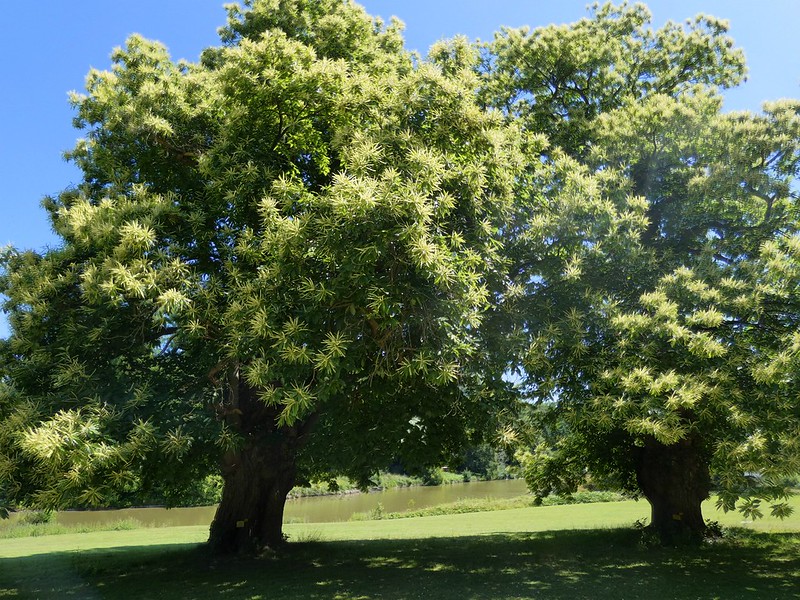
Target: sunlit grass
(620, 514)
(574, 551)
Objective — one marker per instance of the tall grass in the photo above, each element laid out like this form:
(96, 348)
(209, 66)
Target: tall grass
(22, 529)
(471, 505)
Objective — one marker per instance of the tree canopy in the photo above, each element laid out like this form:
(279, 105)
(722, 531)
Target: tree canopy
(653, 296)
(293, 234)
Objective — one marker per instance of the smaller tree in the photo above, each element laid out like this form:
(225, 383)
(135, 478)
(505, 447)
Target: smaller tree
(647, 303)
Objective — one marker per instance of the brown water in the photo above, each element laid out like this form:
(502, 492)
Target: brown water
(313, 510)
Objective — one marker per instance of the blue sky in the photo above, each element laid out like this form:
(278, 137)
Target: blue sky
(47, 47)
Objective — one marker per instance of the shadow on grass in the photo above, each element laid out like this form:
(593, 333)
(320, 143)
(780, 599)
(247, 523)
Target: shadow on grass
(564, 564)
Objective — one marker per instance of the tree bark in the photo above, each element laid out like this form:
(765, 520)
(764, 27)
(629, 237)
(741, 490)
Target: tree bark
(250, 515)
(257, 477)
(675, 480)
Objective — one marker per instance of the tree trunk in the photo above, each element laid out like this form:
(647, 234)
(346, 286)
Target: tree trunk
(250, 515)
(675, 480)
(258, 476)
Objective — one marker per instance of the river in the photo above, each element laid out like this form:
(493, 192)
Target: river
(317, 509)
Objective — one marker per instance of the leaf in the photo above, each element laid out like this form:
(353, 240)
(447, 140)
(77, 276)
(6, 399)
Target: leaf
(750, 508)
(781, 510)
(298, 401)
(93, 496)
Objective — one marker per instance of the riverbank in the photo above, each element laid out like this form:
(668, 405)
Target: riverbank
(37, 527)
(382, 482)
(569, 551)
(316, 509)
(472, 505)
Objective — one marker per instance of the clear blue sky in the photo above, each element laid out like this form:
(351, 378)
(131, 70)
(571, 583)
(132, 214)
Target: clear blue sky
(47, 47)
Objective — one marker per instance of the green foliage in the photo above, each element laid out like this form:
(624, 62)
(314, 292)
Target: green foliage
(559, 79)
(433, 477)
(388, 481)
(200, 492)
(297, 232)
(653, 295)
(483, 462)
(338, 485)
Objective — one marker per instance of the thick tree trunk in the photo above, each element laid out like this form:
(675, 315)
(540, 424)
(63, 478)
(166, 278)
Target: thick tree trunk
(258, 476)
(250, 515)
(675, 480)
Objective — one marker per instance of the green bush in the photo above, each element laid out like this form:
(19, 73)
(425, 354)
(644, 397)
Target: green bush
(583, 498)
(387, 481)
(483, 462)
(37, 517)
(433, 477)
(328, 487)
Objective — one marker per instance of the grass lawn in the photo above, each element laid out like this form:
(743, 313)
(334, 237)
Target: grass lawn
(575, 551)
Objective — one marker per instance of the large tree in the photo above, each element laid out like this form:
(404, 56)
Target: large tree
(649, 288)
(293, 236)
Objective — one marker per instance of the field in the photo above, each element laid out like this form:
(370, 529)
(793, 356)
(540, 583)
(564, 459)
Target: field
(575, 551)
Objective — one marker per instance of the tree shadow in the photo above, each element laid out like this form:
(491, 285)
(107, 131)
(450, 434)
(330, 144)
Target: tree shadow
(562, 564)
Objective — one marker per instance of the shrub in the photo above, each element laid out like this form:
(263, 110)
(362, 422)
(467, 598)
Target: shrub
(484, 462)
(38, 517)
